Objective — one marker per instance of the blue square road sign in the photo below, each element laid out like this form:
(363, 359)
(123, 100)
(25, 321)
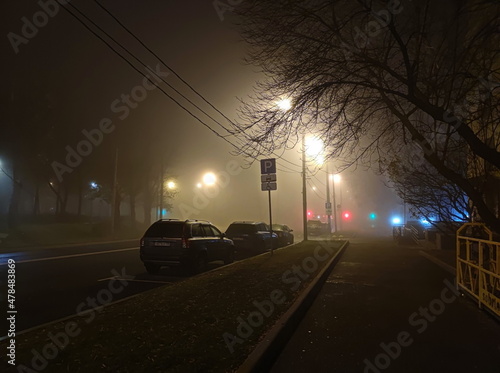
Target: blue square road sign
(268, 166)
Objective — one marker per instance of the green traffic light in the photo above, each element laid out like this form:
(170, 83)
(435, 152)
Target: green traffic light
(373, 216)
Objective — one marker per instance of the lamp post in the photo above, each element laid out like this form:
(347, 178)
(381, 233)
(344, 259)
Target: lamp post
(336, 179)
(160, 213)
(285, 105)
(304, 188)
(312, 147)
(115, 208)
(328, 203)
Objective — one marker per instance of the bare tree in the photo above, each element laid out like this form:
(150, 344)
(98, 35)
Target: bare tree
(427, 192)
(371, 77)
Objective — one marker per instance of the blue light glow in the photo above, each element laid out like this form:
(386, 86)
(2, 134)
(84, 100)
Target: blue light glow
(396, 220)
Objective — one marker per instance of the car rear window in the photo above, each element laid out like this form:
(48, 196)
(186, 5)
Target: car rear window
(241, 229)
(197, 231)
(165, 229)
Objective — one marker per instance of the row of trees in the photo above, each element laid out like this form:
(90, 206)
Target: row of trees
(409, 86)
(33, 137)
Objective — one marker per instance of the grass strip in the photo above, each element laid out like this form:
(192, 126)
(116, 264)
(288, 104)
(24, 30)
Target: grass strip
(181, 328)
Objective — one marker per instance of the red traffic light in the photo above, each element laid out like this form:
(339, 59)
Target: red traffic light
(346, 215)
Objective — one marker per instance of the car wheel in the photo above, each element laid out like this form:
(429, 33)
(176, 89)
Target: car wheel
(152, 268)
(229, 256)
(199, 263)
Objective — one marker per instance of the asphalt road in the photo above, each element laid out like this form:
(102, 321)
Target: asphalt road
(388, 309)
(60, 282)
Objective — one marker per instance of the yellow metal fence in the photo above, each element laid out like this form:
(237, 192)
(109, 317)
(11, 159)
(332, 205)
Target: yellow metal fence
(478, 265)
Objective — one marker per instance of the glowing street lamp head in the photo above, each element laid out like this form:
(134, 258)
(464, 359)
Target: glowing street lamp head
(314, 146)
(336, 178)
(209, 179)
(171, 184)
(284, 104)
(199, 185)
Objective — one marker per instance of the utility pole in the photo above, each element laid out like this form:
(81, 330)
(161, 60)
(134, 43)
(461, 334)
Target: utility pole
(404, 205)
(334, 207)
(304, 188)
(114, 215)
(270, 221)
(328, 203)
(161, 189)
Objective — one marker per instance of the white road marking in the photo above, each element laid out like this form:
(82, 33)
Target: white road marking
(155, 282)
(107, 278)
(134, 280)
(72, 256)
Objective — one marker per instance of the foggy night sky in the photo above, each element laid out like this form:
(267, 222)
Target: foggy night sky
(83, 77)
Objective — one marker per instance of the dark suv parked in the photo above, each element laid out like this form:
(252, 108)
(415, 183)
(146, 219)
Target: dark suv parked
(285, 235)
(190, 243)
(251, 235)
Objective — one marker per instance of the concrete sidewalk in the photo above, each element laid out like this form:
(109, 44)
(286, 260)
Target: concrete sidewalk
(388, 309)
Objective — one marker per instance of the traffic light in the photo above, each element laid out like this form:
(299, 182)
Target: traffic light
(372, 216)
(346, 215)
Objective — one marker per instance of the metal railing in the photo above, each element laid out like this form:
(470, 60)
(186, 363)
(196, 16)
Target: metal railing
(478, 265)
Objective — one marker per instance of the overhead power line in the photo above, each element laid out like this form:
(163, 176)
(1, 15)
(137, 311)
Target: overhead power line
(142, 63)
(141, 42)
(165, 64)
(161, 78)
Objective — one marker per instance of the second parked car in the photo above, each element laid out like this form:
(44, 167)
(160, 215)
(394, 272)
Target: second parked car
(248, 235)
(284, 233)
(190, 243)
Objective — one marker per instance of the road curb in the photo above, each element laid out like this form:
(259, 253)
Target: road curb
(439, 262)
(264, 355)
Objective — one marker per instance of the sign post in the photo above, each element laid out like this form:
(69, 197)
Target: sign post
(268, 182)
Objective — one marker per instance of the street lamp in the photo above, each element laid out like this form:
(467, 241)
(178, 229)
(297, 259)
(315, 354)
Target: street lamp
(314, 149)
(284, 104)
(209, 179)
(171, 185)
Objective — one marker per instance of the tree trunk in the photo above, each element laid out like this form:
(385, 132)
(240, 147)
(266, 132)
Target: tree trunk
(117, 212)
(36, 202)
(12, 218)
(80, 198)
(64, 202)
(132, 199)
(147, 208)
